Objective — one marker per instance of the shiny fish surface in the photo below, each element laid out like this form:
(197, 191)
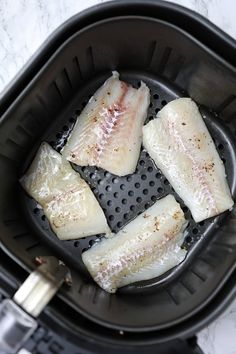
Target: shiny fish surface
(145, 248)
(108, 133)
(181, 146)
(66, 199)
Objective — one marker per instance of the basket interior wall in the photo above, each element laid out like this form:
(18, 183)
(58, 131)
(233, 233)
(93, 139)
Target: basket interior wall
(155, 49)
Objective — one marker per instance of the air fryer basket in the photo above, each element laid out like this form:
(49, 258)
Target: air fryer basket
(173, 64)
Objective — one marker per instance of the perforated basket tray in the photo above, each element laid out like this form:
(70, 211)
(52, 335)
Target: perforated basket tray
(173, 63)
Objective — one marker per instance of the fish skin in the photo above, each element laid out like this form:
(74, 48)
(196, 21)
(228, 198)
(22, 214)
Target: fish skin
(67, 201)
(179, 143)
(108, 133)
(145, 248)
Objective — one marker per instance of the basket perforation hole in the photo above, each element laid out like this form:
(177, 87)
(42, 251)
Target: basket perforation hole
(132, 207)
(142, 163)
(143, 177)
(118, 209)
(101, 196)
(43, 217)
(65, 128)
(151, 183)
(155, 96)
(130, 193)
(122, 187)
(124, 201)
(139, 200)
(111, 217)
(36, 210)
(160, 190)
(119, 224)
(72, 120)
(163, 102)
(221, 146)
(92, 242)
(157, 110)
(137, 185)
(101, 182)
(76, 243)
(109, 203)
(188, 239)
(145, 191)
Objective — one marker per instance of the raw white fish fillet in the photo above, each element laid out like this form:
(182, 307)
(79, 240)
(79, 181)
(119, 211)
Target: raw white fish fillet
(145, 248)
(66, 199)
(181, 146)
(108, 133)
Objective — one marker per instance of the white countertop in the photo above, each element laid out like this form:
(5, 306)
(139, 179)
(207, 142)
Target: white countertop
(25, 24)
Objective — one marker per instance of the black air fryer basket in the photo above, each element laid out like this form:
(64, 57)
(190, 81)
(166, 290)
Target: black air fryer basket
(177, 53)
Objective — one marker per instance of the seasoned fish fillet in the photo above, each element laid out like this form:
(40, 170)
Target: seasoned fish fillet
(145, 248)
(66, 199)
(181, 146)
(108, 133)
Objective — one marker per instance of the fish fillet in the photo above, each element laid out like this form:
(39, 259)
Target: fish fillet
(66, 199)
(181, 146)
(145, 248)
(108, 133)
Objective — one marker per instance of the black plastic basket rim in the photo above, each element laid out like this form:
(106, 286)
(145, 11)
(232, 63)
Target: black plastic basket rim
(184, 330)
(226, 48)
